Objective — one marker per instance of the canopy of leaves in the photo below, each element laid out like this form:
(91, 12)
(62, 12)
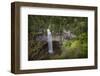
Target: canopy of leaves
(70, 48)
(57, 24)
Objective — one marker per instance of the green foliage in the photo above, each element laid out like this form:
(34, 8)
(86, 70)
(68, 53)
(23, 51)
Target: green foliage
(66, 43)
(70, 48)
(75, 44)
(57, 24)
(74, 50)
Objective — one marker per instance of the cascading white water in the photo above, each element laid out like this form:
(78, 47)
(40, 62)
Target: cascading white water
(49, 39)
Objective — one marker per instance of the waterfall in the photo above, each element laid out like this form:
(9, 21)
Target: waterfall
(49, 39)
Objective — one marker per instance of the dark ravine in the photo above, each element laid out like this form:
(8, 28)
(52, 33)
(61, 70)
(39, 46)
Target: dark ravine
(42, 53)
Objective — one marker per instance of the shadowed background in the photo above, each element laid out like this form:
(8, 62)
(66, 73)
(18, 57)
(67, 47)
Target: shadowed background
(69, 37)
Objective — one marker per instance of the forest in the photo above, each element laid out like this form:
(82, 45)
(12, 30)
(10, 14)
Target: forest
(69, 37)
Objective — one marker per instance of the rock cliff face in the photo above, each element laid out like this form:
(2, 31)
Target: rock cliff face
(38, 49)
(38, 45)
